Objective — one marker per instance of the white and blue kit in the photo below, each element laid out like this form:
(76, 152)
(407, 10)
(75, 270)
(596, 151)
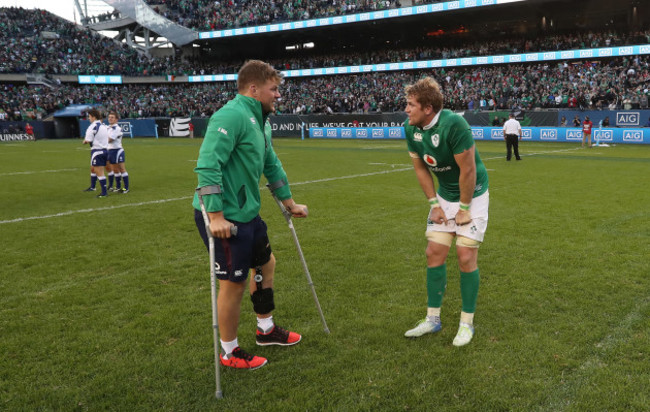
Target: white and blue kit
(97, 134)
(115, 150)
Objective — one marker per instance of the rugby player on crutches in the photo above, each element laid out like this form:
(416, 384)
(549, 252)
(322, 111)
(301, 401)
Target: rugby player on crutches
(235, 153)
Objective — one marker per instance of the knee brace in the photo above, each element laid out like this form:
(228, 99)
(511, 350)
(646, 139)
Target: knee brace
(443, 238)
(467, 242)
(263, 301)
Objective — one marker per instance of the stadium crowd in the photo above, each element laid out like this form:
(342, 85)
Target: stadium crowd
(618, 83)
(207, 15)
(35, 41)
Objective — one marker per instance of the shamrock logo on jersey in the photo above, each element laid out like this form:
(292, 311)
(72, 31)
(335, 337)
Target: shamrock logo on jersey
(435, 139)
(430, 160)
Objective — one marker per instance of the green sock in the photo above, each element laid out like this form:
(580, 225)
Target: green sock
(469, 290)
(436, 284)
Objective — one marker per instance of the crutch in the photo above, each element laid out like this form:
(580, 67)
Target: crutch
(213, 287)
(287, 216)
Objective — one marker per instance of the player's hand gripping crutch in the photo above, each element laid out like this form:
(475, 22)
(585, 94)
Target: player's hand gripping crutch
(213, 292)
(287, 216)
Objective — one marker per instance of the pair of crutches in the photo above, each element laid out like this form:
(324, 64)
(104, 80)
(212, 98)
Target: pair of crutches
(213, 278)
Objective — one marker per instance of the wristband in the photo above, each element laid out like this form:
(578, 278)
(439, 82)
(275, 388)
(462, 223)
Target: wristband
(434, 202)
(464, 206)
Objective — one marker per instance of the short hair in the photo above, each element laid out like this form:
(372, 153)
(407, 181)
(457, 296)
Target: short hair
(94, 113)
(114, 113)
(256, 72)
(426, 92)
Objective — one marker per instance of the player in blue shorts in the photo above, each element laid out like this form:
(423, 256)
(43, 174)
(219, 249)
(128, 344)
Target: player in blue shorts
(236, 151)
(116, 156)
(97, 137)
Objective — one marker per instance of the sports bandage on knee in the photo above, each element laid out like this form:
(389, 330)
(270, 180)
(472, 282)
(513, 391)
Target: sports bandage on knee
(263, 301)
(443, 238)
(467, 242)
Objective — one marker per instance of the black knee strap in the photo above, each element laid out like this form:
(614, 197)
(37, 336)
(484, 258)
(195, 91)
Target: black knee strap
(263, 301)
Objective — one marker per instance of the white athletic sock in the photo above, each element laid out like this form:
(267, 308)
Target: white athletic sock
(228, 347)
(433, 314)
(265, 324)
(467, 318)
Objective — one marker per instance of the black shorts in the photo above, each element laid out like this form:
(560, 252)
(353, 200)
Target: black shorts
(234, 257)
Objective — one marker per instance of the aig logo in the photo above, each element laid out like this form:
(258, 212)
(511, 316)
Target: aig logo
(362, 133)
(126, 127)
(394, 132)
(526, 134)
(606, 135)
(346, 132)
(574, 134)
(331, 132)
(377, 132)
(632, 136)
(477, 133)
(548, 134)
(496, 134)
(627, 119)
(318, 132)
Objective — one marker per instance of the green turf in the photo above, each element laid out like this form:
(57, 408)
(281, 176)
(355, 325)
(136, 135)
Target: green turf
(105, 303)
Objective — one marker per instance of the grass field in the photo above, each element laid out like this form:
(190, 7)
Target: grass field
(105, 303)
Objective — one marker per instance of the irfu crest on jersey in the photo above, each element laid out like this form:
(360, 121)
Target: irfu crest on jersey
(435, 139)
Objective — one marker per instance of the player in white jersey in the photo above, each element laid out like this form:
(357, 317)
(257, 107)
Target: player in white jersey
(116, 156)
(97, 137)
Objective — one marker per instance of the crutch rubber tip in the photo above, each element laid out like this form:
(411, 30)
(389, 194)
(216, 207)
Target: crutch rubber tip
(219, 395)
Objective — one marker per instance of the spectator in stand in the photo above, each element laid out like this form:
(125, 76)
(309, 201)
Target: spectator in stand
(576, 121)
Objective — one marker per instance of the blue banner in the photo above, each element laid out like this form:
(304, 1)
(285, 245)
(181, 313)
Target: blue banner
(108, 79)
(532, 134)
(568, 134)
(620, 118)
(356, 132)
(130, 127)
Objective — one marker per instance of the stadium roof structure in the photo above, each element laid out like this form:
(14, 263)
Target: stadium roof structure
(138, 19)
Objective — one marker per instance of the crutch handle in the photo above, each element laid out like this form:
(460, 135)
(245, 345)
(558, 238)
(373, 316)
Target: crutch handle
(233, 230)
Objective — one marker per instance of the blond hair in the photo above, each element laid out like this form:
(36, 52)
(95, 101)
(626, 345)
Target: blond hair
(256, 72)
(426, 92)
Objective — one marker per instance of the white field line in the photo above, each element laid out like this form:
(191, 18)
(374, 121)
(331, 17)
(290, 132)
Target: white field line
(562, 395)
(32, 172)
(97, 209)
(329, 179)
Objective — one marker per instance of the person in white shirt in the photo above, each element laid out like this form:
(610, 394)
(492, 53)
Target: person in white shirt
(116, 156)
(512, 134)
(97, 137)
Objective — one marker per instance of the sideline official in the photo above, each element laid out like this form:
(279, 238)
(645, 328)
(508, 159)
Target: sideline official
(512, 135)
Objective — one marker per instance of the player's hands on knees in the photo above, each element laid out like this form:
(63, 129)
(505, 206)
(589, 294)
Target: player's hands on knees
(463, 217)
(297, 210)
(437, 215)
(220, 227)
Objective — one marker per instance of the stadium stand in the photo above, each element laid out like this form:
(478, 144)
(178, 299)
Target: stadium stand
(204, 15)
(38, 42)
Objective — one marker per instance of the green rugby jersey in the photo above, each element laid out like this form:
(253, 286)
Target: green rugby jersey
(235, 152)
(437, 145)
